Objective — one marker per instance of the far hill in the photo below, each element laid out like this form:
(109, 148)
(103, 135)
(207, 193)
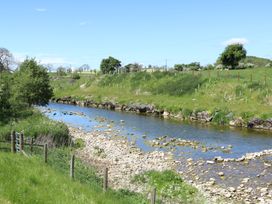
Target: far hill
(257, 61)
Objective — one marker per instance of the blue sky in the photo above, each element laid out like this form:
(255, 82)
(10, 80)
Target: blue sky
(145, 31)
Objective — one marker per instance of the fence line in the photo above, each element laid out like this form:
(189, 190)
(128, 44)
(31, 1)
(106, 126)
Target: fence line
(17, 144)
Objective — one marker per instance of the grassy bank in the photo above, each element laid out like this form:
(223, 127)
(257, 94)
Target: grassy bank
(245, 93)
(34, 124)
(31, 181)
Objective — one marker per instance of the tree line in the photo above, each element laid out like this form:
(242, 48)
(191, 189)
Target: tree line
(20, 89)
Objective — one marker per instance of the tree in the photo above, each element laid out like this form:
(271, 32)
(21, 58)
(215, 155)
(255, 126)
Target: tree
(179, 67)
(61, 71)
(5, 95)
(232, 55)
(136, 67)
(110, 65)
(32, 83)
(84, 67)
(6, 59)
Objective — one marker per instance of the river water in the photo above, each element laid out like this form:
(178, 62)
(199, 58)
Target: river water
(140, 129)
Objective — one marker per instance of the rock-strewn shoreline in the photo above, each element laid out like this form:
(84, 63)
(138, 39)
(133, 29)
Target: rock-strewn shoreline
(202, 116)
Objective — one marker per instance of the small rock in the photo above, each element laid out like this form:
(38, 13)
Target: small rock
(221, 174)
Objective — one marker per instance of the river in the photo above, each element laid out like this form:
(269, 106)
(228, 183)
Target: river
(140, 128)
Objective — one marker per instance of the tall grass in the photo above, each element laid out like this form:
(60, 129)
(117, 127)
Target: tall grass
(28, 181)
(34, 125)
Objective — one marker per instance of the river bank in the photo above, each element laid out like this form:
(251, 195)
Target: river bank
(125, 160)
(194, 116)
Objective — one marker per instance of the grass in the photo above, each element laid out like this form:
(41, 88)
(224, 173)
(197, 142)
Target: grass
(35, 124)
(169, 185)
(31, 181)
(245, 93)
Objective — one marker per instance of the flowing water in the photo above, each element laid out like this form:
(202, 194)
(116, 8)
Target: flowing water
(140, 129)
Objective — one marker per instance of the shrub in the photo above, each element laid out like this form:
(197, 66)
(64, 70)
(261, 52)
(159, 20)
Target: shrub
(75, 76)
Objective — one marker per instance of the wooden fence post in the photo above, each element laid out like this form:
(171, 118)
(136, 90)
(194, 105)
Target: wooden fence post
(153, 196)
(238, 76)
(12, 141)
(72, 166)
(105, 186)
(45, 149)
(31, 144)
(21, 142)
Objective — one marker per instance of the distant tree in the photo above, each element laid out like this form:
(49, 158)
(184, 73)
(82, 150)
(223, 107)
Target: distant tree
(232, 55)
(61, 71)
(6, 59)
(110, 65)
(179, 67)
(135, 67)
(32, 83)
(69, 70)
(194, 66)
(85, 67)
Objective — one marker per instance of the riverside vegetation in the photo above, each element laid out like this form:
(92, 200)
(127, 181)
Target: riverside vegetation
(28, 180)
(224, 94)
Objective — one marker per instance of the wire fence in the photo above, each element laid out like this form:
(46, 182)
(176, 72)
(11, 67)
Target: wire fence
(29, 147)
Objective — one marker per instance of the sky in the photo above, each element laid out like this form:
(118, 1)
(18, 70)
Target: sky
(76, 32)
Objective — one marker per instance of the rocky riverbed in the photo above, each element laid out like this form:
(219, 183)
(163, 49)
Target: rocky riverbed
(123, 159)
(220, 180)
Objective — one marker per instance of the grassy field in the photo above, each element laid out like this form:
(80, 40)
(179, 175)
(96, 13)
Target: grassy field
(246, 93)
(30, 181)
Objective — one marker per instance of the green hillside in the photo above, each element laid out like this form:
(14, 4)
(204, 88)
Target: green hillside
(246, 93)
(257, 61)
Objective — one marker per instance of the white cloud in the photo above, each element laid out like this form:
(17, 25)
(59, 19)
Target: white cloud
(83, 23)
(41, 9)
(43, 59)
(232, 41)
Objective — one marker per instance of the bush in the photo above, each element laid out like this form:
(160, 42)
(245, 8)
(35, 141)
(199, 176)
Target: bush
(75, 76)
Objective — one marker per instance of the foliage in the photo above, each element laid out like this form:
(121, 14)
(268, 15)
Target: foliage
(110, 65)
(61, 71)
(232, 55)
(75, 76)
(169, 185)
(178, 67)
(6, 59)
(32, 84)
(133, 68)
(35, 124)
(5, 94)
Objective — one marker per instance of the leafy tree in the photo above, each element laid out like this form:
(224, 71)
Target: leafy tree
(136, 67)
(84, 67)
(32, 83)
(232, 55)
(5, 94)
(6, 59)
(178, 67)
(110, 65)
(61, 71)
